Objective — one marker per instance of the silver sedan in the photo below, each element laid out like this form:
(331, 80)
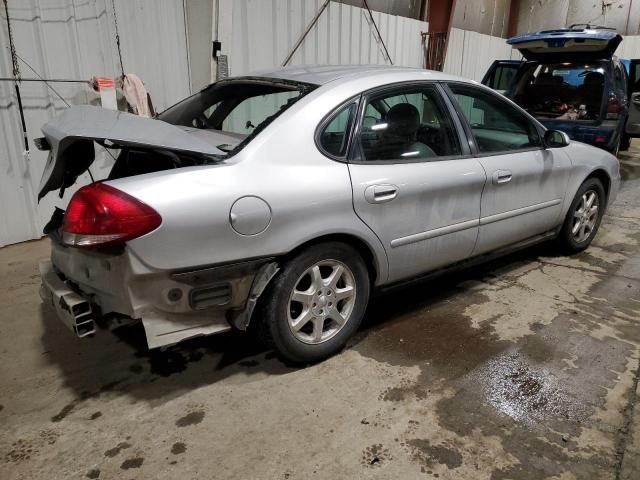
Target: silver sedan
(278, 202)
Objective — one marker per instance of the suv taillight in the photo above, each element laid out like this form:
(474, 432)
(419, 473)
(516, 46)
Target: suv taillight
(613, 108)
(102, 215)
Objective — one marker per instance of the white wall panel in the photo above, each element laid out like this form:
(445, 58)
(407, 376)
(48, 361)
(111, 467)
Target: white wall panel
(630, 47)
(76, 39)
(470, 54)
(259, 34)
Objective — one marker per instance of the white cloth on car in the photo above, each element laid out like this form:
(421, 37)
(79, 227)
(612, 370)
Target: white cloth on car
(137, 96)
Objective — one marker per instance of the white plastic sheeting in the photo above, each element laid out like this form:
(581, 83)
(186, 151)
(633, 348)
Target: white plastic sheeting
(470, 54)
(630, 47)
(259, 34)
(76, 39)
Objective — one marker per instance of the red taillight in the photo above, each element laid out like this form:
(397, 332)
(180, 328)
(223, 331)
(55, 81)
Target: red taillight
(102, 215)
(613, 107)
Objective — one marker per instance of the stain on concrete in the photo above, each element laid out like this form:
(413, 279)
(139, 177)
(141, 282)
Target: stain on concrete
(136, 368)
(132, 463)
(48, 437)
(191, 418)
(429, 328)
(62, 414)
(85, 395)
(95, 415)
(375, 456)
(167, 363)
(1, 407)
(112, 452)
(93, 473)
(21, 450)
(249, 363)
(178, 448)
(429, 455)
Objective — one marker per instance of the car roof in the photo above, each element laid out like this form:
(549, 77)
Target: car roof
(322, 74)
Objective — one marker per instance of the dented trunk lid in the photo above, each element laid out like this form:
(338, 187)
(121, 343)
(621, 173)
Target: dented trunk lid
(71, 136)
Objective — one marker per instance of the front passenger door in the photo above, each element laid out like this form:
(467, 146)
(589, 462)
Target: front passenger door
(414, 183)
(526, 183)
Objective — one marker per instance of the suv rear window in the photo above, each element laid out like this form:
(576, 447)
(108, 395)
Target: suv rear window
(563, 91)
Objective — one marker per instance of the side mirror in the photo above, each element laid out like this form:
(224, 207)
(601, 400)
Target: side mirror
(556, 139)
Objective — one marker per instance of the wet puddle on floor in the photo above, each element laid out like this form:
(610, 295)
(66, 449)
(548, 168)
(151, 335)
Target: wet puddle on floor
(526, 394)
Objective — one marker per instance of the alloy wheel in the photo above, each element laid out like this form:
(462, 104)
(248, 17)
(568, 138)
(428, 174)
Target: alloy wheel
(585, 216)
(321, 302)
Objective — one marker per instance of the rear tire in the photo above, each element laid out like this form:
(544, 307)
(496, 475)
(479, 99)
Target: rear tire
(315, 303)
(583, 218)
(625, 144)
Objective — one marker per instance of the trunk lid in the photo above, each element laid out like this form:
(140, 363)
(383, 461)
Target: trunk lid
(71, 136)
(567, 44)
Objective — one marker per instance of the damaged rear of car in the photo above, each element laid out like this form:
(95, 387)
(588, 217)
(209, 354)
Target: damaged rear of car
(101, 271)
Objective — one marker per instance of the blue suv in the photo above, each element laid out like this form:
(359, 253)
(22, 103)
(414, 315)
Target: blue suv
(570, 80)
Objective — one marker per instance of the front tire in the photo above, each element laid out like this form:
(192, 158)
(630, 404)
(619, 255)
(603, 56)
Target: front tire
(316, 303)
(584, 216)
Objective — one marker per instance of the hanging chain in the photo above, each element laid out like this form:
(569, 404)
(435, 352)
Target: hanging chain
(12, 47)
(115, 21)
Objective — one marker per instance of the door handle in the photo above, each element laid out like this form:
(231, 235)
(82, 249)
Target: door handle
(502, 176)
(380, 193)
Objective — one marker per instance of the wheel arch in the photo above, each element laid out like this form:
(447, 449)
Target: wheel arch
(604, 178)
(372, 262)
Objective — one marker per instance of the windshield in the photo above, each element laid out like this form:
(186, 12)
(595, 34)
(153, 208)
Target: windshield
(241, 107)
(563, 91)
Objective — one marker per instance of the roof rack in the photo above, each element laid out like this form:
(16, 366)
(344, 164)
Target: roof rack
(587, 26)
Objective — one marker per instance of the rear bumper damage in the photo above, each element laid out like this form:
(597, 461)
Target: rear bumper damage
(88, 289)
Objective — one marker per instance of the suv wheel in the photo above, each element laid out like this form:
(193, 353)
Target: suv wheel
(584, 216)
(315, 303)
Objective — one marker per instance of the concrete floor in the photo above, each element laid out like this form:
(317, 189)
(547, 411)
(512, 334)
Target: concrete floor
(524, 368)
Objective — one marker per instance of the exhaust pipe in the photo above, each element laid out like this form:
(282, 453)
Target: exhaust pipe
(74, 310)
(80, 316)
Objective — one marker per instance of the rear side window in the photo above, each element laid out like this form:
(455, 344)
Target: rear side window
(502, 77)
(251, 112)
(407, 125)
(497, 125)
(334, 138)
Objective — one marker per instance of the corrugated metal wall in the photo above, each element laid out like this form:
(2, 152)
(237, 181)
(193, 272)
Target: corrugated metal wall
(259, 34)
(76, 39)
(490, 17)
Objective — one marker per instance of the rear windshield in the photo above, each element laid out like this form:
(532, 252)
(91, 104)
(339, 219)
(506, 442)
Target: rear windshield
(240, 107)
(563, 91)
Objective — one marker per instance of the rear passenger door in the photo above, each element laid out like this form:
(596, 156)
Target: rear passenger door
(526, 183)
(633, 121)
(414, 181)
